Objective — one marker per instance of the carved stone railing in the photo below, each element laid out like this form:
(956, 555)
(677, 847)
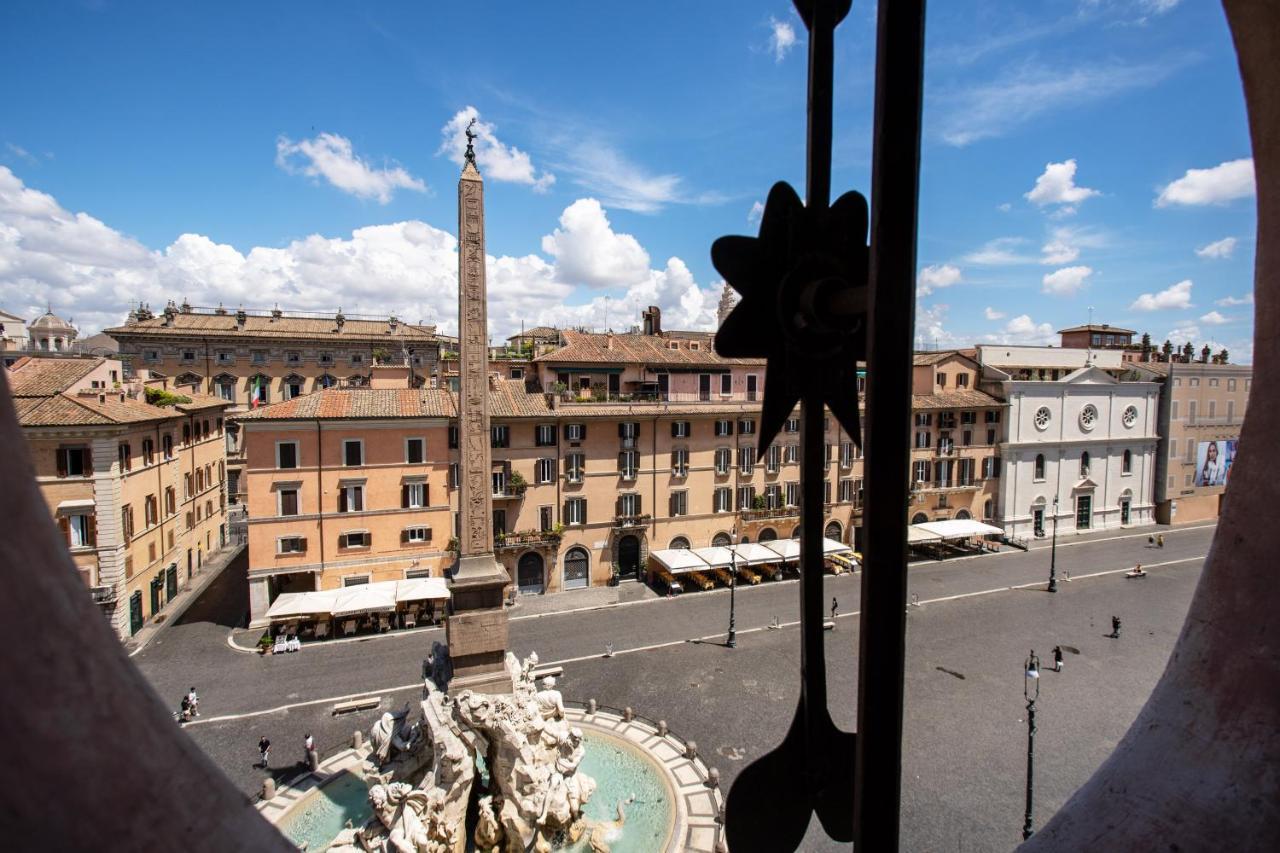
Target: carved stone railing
(632, 520)
(780, 512)
(527, 539)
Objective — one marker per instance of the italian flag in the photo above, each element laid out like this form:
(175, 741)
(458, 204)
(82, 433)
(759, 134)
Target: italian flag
(254, 400)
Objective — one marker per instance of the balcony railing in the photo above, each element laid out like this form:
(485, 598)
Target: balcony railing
(103, 595)
(779, 512)
(632, 520)
(527, 539)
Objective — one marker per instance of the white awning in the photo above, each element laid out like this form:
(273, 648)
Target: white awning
(831, 546)
(422, 589)
(677, 560)
(293, 605)
(715, 557)
(958, 528)
(366, 598)
(787, 549)
(72, 506)
(755, 554)
(916, 535)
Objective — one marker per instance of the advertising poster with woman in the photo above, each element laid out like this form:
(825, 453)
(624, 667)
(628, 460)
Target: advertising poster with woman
(1213, 462)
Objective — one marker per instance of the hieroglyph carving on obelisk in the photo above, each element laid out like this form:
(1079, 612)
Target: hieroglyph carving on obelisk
(476, 501)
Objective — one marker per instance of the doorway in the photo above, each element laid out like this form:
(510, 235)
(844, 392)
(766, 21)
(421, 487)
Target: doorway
(171, 581)
(629, 557)
(664, 385)
(576, 571)
(135, 612)
(1037, 521)
(1124, 511)
(1084, 512)
(615, 386)
(529, 574)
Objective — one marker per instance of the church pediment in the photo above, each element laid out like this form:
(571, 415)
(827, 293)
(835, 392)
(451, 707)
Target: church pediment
(1084, 485)
(1089, 376)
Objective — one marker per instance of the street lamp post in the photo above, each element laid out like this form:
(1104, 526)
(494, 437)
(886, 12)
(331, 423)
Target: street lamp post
(1031, 690)
(1053, 550)
(733, 588)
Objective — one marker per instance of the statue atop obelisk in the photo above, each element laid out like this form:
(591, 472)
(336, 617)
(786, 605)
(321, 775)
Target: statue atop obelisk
(476, 631)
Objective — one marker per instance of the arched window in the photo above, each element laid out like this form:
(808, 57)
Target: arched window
(963, 513)
(326, 381)
(833, 530)
(529, 574)
(919, 518)
(1126, 463)
(767, 535)
(721, 540)
(679, 542)
(795, 532)
(1084, 464)
(1039, 472)
(986, 509)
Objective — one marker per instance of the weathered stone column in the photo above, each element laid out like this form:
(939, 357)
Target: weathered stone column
(476, 632)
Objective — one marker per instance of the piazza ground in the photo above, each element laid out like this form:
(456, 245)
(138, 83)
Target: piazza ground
(965, 726)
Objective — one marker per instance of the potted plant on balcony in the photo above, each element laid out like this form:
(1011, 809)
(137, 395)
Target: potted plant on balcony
(516, 483)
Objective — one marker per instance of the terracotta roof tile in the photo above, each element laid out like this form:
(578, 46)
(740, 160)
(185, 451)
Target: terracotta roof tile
(43, 377)
(307, 328)
(587, 348)
(954, 400)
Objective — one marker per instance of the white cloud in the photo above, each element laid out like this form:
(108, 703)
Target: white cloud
(1067, 281)
(588, 251)
(1218, 185)
(937, 277)
(496, 160)
(1159, 7)
(331, 157)
(22, 153)
(1026, 92)
(1058, 251)
(620, 183)
(755, 214)
(89, 272)
(1218, 249)
(1183, 332)
(1004, 207)
(1213, 318)
(992, 314)
(1022, 329)
(1229, 301)
(1174, 296)
(782, 37)
(1002, 251)
(930, 330)
(1057, 185)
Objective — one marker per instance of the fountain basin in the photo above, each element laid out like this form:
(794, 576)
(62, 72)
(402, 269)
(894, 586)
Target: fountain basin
(324, 811)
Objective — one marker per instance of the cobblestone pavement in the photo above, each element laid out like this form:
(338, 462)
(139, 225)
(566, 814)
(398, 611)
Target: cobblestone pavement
(965, 730)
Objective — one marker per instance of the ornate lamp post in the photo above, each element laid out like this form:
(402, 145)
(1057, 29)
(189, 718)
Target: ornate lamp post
(1053, 550)
(1031, 690)
(733, 588)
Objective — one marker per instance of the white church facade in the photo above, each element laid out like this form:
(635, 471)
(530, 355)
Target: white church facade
(1078, 444)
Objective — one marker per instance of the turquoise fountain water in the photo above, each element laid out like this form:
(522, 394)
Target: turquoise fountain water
(324, 813)
(621, 772)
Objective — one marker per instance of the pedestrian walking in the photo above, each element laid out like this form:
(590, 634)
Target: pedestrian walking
(1057, 658)
(308, 743)
(1115, 627)
(193, 702)
(264, 747)
(1151, 540)
(835, 607)
(1160, 541)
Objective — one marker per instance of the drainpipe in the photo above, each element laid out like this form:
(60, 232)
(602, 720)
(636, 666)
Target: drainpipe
(319, 496)
(653, 488)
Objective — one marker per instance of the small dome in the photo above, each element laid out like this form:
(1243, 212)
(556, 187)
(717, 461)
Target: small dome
(50, 322)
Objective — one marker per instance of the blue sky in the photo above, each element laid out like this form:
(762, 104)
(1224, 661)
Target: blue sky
(1078, 154)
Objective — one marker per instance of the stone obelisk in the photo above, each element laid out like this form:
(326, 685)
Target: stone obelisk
(476, 631)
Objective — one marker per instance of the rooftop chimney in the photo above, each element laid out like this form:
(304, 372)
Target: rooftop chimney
(170, 311)
(652, 318)
(392, 322)
(276, 313)
(340, 320)
(186, 306)
(220, 311)
(241, 318)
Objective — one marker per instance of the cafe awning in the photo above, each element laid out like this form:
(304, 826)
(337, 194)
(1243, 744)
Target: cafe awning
(789, 549)
(959, 528)
(715, 557)
(366, 598)
(422, 589)
(915, 535)
(755, 554)
(295, 605)
(676, 560)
